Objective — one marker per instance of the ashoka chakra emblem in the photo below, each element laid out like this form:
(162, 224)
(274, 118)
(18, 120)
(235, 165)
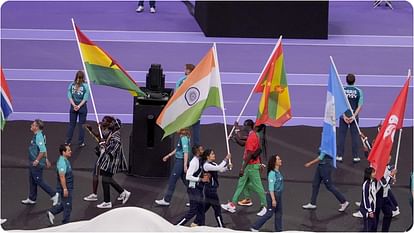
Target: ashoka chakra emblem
(192, 95)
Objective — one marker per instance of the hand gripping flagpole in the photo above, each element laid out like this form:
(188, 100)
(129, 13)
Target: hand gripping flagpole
(399, 136)
(87, 78)
(222, 101)
(254, 87)
(347, 101)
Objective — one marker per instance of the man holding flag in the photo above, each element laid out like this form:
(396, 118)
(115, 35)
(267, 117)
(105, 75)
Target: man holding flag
(381, 150)
(335, 106)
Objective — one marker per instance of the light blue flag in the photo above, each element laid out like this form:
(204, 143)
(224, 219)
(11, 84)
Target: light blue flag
(336, 105)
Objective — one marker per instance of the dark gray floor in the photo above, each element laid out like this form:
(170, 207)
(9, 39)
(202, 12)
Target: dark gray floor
(296, 145)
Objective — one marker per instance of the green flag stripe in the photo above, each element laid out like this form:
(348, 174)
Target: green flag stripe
(192, 115)
(2, 121)
(110, 77)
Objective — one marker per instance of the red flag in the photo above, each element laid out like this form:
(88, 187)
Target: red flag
(381, 150)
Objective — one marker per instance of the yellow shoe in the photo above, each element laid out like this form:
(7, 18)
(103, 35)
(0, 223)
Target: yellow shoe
(193, 225)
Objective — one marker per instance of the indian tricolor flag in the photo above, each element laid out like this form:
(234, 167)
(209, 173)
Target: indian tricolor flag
(274, 107)
(101, 68)
(6, 106)
(200, 90)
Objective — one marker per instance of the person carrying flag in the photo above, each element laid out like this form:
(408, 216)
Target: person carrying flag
(250, 172)
(323, 173)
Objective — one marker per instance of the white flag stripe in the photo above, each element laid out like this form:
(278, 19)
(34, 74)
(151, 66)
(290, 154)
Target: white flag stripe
(180, 105)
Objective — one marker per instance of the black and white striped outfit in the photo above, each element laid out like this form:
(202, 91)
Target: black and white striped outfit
(113, 159)
(110, 162)
(211, 198)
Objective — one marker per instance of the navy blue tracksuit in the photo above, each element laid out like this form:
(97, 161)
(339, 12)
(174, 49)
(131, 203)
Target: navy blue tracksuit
(323, 174)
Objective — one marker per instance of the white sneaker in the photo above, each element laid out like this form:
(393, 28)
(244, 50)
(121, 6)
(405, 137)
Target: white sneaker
(187, 204)
(55, 199)
(105, 205)
(91, 197)
(152, 10)
(343, 206)
(357, 203)
(140, 9)
(357, 214)
(253, 230)
(50, 216)
(396, 212)
(229, 207)
(309, 206)
(339, 158)
(262, 212)
(356, 159)
(28, 202)
(120, 197)
(125, 195)
(162, 202)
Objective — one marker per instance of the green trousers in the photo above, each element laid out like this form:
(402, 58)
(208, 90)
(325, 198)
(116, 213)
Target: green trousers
(250, 181)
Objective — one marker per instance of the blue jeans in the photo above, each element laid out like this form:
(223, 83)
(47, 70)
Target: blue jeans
(343, 129)
(151, 3)
(36, 179)
(270, 211)
(323, 174)
(65, 205)
(176, 173)
(73, 116)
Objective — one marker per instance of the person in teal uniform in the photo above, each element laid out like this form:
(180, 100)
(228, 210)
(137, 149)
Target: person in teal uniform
(188, 68)
(37, 162)
(78, 95)
(64, 186)
(179, 170)
(274, 196)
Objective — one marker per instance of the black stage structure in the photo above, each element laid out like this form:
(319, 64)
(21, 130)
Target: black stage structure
(263, 19)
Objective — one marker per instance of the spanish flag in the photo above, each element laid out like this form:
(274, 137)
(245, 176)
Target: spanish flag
(274, 107)
(101, 68)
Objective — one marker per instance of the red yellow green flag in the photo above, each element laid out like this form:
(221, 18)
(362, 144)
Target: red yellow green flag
(274, 107)
(102, 69)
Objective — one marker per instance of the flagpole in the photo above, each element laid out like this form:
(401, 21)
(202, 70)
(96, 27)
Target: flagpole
(222, 101)
(399, 136)
(347, 101)
(251, 93)
(87, 78)
(398, 149)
